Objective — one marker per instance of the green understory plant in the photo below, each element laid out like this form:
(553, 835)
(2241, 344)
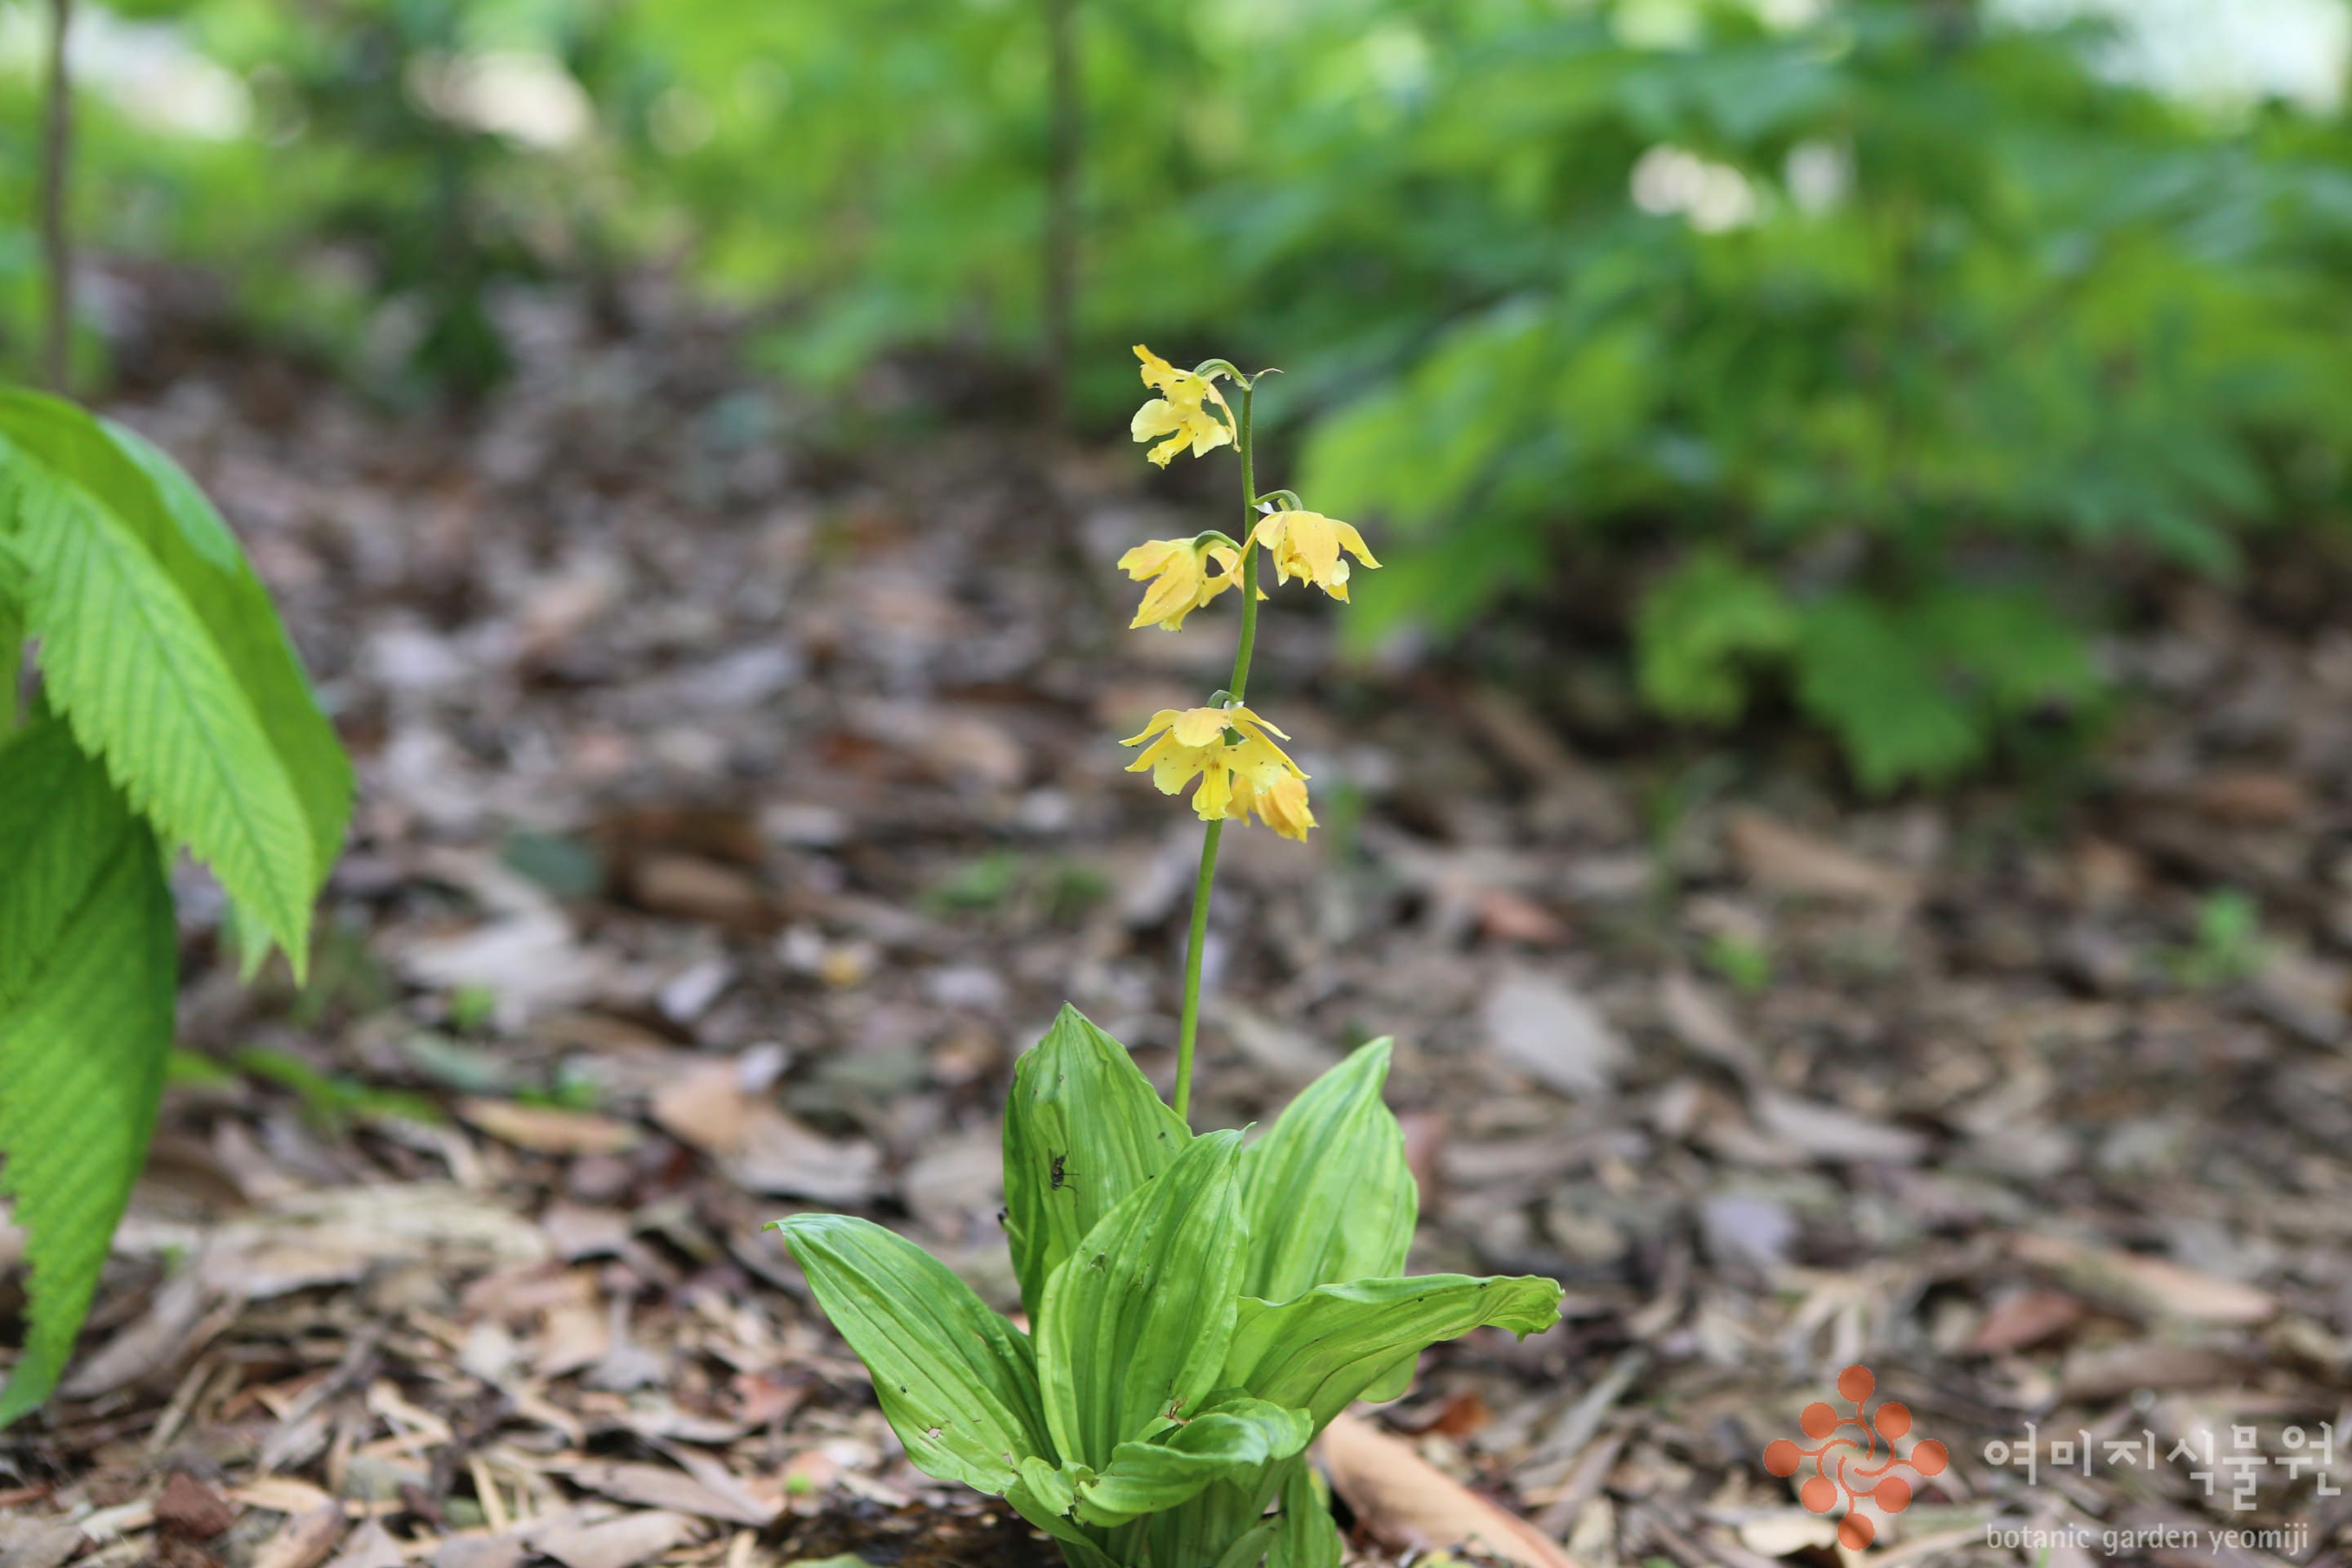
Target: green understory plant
(1199, 1309)
(171, 713)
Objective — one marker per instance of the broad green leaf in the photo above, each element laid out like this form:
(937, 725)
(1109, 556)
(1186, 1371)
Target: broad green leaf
(1328, 1193)
(1308, 1537)
(1249, 1548)
(1231, 1441)
(12, 632)
(88, 464)
(88, 958)
(1136, 1321)
(1083, 1129)
(958, 1383)
(145, 687)
(1322, 1350)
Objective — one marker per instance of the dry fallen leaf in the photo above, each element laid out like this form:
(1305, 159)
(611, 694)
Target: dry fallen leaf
(782, 1158)
(1786, 1531)
(370, 1546)
(1787, 860)
(1411, 1505)
(656, 1486)
(622, 1543)
(1833, 1132)
(306, 1540)
(2149, 1286)
(36, 1543)
(1556, 1036)
(545, 1130)
(705, 1105)
(190, 1509)
(2023, 1320)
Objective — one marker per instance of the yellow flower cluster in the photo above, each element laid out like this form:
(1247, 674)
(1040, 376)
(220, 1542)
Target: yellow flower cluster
(1229, 750)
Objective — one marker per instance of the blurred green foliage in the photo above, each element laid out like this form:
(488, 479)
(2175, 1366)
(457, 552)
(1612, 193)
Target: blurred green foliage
(1867, 346)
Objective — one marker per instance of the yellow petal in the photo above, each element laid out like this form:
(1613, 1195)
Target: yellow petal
(1167, 449)
(1153, 556)
(1215, 795)
(1156, 371)
(1283, 808)
(1200, 726)
(1175, 769)
(1167, 597)
(1317, 541)
(1159, 720)
(1354, 543)
(1246, 719)
(1156, 417)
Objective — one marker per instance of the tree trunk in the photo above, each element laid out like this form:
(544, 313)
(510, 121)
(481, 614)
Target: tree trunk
(1060, 271)
(57, 242)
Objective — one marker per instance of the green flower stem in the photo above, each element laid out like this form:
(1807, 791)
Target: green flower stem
(1240, 682)
(1201, 886)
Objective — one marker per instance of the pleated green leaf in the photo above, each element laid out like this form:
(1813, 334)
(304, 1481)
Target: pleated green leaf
(239, 762)
(1233, 1440)
(1324, 1349)
(1083, 1129)
(1307, 1536)
(1329, 1197)
(958, 1384)
(1249, 1548)
(87, 979)
(1043, 1496)
(1136, 1321)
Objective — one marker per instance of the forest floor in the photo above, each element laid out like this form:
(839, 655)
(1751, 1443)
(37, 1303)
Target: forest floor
(739, 798)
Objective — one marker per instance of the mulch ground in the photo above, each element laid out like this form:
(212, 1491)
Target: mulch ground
(739, 798)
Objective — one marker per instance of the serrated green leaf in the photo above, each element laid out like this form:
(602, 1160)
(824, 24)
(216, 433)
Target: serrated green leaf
(59, 817)
(144, 686)
(1327, 1191)
(1083, 1129)
(1233, 1439)
(86, 966)
(114, 470)
(234, 606)
(1701, 629)
(958, 1384)
(1307, 1536)
(1136, 1321)
(1319, 1351)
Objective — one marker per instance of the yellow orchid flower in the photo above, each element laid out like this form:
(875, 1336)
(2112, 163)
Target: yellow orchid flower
(1306, 545)
(1281, 805)
(1182, 581)
(1181, 412)
(1231, 750)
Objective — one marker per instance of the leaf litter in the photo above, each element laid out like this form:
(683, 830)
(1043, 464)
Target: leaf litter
(731, 818)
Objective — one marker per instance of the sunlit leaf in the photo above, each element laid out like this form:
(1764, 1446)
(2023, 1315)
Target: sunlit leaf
(1083, 1129)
